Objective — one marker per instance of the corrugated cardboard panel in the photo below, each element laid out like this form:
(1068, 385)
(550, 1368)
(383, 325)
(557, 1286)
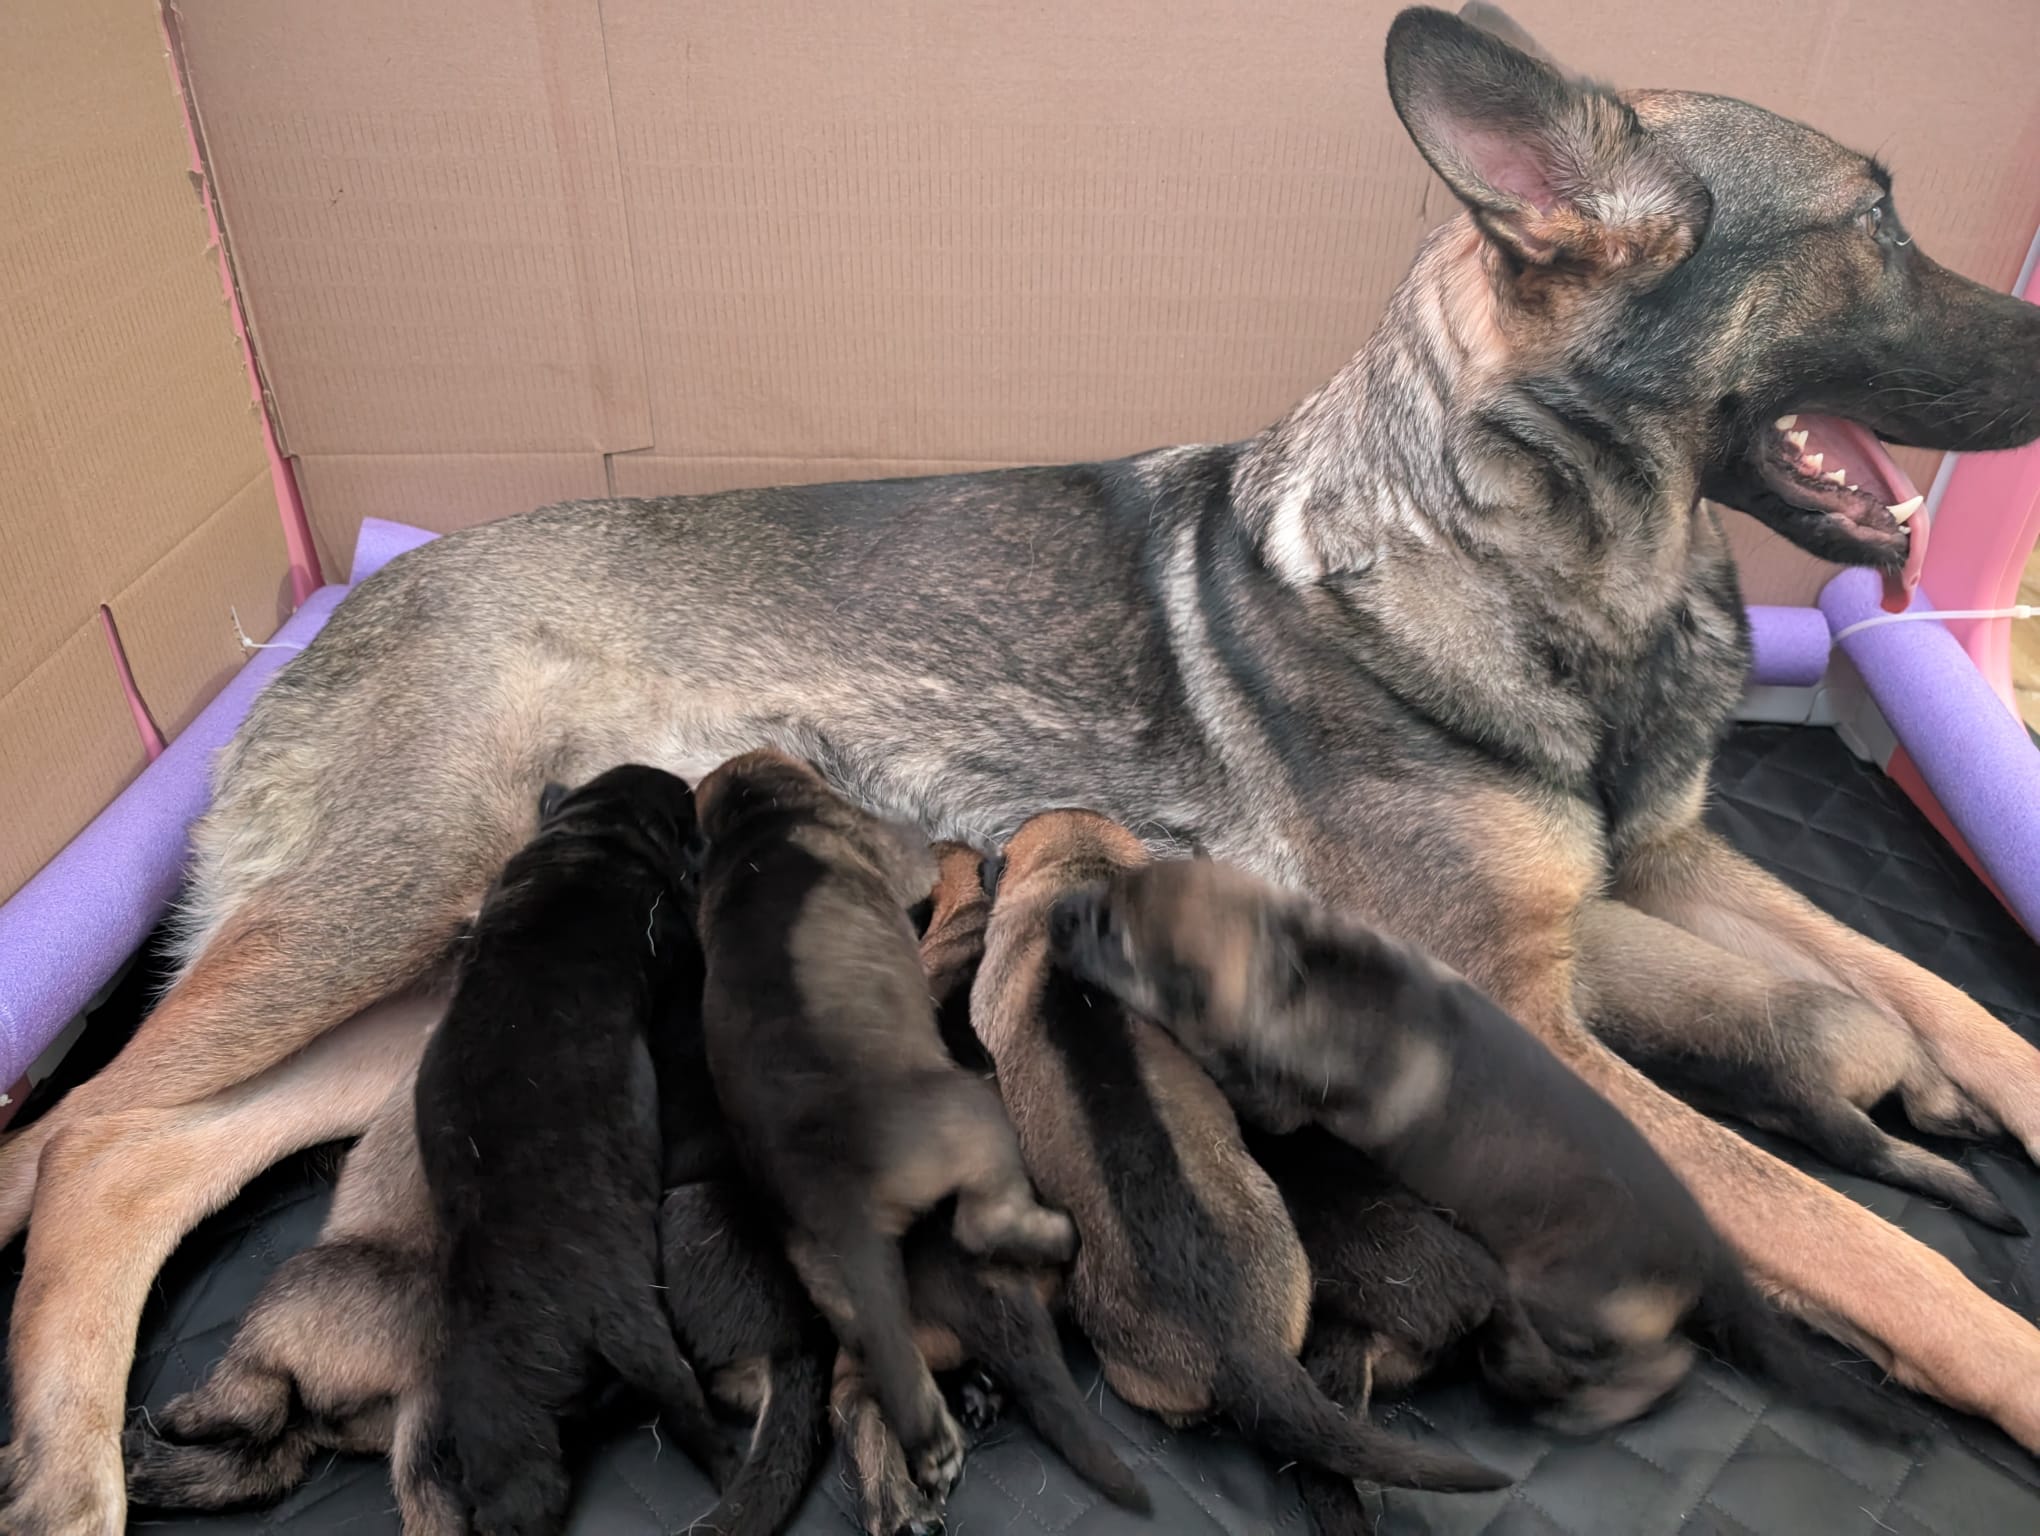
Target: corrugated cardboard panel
(67, 746)
(426, 222)
(176, 621)
(125, 418)
(977, 231)
(441, 492)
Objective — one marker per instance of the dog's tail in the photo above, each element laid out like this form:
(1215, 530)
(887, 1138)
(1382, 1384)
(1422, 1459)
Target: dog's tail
(1278, 1406)
(1752, 1335)
(1012, 1332)
(785, 1448)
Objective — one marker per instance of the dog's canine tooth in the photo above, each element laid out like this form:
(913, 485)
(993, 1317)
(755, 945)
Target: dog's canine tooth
(1786, 424)
(1905, 509)
(1797, 440)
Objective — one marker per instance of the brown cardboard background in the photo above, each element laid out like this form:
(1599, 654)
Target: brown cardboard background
(728, 244)
(126, 428)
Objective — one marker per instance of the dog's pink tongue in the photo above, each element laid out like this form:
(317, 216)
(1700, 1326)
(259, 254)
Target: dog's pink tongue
(1857, 450)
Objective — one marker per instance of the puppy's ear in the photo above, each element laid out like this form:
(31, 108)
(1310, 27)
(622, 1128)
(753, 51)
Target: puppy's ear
(905, 857)
(1555, 172)
(549, 799)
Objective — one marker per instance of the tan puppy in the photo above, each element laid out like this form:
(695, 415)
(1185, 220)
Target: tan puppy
(1190, 1280)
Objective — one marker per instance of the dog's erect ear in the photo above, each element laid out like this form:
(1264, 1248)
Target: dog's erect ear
(1554, 170)
(1492, 20)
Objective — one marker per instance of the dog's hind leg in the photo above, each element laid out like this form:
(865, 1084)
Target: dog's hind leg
(642, 1352)
(117, 1192)
(1791, 1056)
(998, 1215)
(887, 1499)
(857, 1278)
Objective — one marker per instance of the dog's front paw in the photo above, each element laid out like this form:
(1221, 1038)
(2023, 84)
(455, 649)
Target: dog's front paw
(937, 1462)
(76, 1488)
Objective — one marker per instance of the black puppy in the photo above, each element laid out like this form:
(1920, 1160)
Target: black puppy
(1308, 1019)
(539, 1133)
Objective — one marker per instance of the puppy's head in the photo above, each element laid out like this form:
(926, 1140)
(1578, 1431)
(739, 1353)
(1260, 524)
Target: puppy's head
(634, 799)
(1057, 850)
(1197, 945)
(762, 779)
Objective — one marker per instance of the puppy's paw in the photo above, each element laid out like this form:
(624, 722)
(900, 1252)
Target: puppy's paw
(1016, 1231)
(981, 1401)
(937, 1462)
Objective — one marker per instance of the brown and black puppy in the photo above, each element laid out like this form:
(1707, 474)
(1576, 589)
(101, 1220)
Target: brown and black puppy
(1308, 1019)
(1190, 1281)
(336, 1353)
(540, 1133)
(825, 1055)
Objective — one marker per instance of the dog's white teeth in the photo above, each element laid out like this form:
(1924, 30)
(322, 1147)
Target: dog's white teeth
(1786, 424)
(1797, 440)
(1835, 477)
(1855, 487)
(1905, 509)
(1810, 465)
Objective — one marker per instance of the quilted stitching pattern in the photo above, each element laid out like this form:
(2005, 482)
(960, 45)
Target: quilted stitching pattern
(1722, 1459)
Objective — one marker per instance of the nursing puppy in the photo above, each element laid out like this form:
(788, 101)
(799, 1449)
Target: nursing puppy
(1396, 1287)
(1310, 1020)
(1190, 1281)
(825, 1055)
(539, 1131)
(337, 1353)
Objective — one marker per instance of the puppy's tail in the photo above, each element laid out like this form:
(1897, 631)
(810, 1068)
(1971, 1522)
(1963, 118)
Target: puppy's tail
(785, 1447)
(1012, 1332)
(1279, 1407)
(1334, 1504)
(1753, 1335)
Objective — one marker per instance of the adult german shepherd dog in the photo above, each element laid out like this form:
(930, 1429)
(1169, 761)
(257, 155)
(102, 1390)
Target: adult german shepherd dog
(1449, 646)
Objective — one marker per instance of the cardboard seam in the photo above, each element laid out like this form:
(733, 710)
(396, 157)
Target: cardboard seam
(630, 246)
(199, 527)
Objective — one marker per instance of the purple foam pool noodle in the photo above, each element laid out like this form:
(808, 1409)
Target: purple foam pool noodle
(65, 933)
(1789, 646)
(1979, 760)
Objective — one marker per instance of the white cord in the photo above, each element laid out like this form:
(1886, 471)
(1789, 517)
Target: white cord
(257, 645)
(2023, 611)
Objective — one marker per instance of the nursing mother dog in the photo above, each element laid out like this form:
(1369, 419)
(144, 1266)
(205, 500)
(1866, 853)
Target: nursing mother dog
(1448, 647)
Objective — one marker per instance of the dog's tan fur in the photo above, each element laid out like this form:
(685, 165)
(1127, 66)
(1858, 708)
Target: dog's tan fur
(335, 1353)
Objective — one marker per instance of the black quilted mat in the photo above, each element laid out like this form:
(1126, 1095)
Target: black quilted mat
(1721, 1457)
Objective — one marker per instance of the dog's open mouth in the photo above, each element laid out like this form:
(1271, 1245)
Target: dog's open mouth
(1831, 468)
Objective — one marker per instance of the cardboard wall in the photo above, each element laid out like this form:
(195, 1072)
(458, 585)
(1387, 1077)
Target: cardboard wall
(134, 470)
(496, 255)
